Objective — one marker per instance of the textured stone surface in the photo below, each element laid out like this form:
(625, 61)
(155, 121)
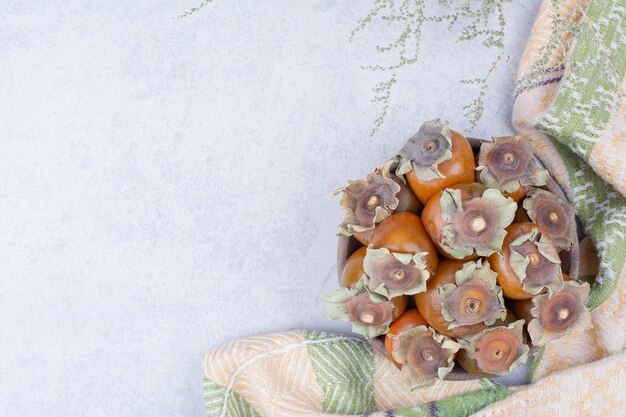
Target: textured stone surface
(166, 184)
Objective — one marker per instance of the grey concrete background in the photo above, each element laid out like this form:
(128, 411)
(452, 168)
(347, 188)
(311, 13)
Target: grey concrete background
(166, 183)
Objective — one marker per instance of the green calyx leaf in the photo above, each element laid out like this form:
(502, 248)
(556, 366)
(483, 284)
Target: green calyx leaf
(505, 205)
(338, 302)
(404, 166)
(389, 170)
(547, 249)
(537, 202)
(552, 278)
(519, 264)
(509, 179)
(428, 148)
(335, 304)
(576, 293)
(499, 209)
(393, 274)
(416, 377)
(356, 198)
(470, 344)
(369, 331)
(479, 276)
(479, 270)
(451, 205)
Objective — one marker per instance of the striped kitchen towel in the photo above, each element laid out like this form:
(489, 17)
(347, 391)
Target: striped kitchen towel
(568, 99)
(309, 373)
(571, 103)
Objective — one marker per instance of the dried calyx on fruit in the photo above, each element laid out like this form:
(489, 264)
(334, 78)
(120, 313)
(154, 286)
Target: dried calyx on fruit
(407, 200)
(393, 274)
(424, 355)
(430, 302)
(404, 233)
(552, 214)
(429, 147)
(494, 351)
(508, 164)
(551, 317)
(474, 299)
(367, 202)
(370, 313)
(435, 158)
(353, 273)
(406, 321)
(474, 225)
(529, 263)
(536, 263)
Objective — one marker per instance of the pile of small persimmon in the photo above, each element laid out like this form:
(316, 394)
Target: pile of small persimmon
(460, 258)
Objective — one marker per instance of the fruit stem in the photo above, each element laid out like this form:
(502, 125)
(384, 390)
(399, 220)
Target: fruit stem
(534, 258)
(399, 275)
(554, 217)
(430, 145)
(373, 201)
(478, 224)
(472, 305)
(367, 318)
(509, 158)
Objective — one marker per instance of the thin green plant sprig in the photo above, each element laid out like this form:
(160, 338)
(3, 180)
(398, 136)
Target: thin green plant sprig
(194, 9)
(479, 20)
